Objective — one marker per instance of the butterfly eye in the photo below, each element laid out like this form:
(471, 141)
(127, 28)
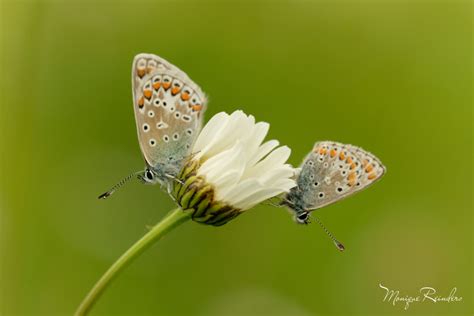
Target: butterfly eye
(302, 218)
(149, 174)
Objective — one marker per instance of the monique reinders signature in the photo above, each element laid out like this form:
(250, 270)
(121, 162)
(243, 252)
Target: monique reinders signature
(426, 294)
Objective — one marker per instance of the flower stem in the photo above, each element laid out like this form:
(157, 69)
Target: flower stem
(172, 220)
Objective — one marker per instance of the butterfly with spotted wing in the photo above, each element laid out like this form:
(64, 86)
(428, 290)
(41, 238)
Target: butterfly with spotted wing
(331, 172)
(169, 109)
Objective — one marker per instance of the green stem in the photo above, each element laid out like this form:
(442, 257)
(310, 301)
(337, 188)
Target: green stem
(172, 220)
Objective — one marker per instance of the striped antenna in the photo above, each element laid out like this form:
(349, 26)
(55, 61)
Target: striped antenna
(338, 245)
(105, 195)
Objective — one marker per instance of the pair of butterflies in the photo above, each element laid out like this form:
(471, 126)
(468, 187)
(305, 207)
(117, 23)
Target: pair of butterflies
(169, 110)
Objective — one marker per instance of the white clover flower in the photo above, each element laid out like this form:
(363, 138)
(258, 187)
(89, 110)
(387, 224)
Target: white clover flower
(231, 170)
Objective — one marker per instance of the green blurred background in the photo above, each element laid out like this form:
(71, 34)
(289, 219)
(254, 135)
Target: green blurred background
(394, 77)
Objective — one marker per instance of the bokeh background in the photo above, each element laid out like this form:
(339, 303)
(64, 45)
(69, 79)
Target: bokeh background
(394, 77)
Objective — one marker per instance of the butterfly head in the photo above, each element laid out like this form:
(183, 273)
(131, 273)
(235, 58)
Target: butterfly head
(302, 217)
(148, 176)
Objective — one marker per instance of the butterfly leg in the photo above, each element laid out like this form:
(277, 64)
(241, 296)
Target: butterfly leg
(169, 189)
(174, 178)
(192, 155)
(272, 203)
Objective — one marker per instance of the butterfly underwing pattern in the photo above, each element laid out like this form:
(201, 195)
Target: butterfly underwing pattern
(169, 110)
(331, 172)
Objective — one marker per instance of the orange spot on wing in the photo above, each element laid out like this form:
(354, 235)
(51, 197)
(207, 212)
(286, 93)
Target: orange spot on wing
(147, 93)
(372, 176)
(166, 85)
(197, 107)
(365, 162)
(352, 166)
(175, 90)
(342, 156)
(156, 85)
(369, 168)
(141, 102)
(185, 96)
(349, 160)
(351, 178)
(140, 72)
(333, 153)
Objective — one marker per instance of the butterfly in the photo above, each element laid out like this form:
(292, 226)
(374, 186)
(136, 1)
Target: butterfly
(169, 109)
(331, 172)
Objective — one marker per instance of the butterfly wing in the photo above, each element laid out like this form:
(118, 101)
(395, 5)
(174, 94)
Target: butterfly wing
(331, 172)
(169, 109)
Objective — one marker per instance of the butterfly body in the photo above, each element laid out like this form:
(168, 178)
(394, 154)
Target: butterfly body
(168, 109)
(330, 172)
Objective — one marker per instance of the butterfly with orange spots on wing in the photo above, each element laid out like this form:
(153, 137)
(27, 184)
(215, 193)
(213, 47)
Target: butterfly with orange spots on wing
(169, 109)
(331, 172)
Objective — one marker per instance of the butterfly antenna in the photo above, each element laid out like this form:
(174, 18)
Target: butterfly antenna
(105, 195)
(339, 245)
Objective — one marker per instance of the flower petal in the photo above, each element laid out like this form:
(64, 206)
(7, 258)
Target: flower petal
(243, 171)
